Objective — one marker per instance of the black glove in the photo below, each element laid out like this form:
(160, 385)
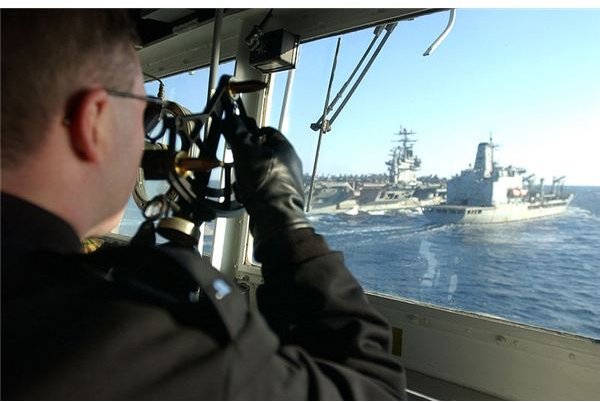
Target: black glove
(268, 178)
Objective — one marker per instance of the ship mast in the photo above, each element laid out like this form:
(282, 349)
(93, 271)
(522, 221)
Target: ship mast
(403, 160)
(406, 143)
(492, 147)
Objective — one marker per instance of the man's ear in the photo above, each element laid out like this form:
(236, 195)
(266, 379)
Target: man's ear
(87, 121)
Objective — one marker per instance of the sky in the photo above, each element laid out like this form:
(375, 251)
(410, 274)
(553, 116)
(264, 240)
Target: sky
(528, 77)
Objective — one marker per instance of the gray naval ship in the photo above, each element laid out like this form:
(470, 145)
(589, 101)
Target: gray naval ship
(401, 190)
(333, 197)
(488, 193)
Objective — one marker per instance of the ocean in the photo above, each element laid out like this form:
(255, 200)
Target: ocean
(544, 273)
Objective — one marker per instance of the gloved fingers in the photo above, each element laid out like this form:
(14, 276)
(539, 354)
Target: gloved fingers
(250, 144)
(270, 132)
(238, 129)
(272, 138)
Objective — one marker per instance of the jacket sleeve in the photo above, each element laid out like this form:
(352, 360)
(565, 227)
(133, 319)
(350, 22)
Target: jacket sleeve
(324, 322)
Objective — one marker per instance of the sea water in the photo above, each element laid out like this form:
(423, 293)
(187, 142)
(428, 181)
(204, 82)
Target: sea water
(544, 272)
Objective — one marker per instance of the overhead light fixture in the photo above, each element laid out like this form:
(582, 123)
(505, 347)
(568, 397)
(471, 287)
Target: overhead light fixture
(274, 51)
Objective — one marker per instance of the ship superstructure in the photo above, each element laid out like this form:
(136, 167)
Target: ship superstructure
(402, 168)
(403, 190)
(398, 189)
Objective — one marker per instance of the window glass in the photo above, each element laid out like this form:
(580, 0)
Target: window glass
(406, 214)
(188, 89)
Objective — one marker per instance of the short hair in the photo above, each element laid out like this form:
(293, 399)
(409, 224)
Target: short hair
(51, 56)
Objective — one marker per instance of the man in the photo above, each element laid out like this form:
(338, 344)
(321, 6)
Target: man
(121, 326)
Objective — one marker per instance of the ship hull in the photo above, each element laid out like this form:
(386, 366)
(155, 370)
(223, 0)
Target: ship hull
(409, 203)
(446, 214)
(382, 199)
(349, 207)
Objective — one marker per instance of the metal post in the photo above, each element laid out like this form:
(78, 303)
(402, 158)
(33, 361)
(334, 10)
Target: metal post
(215, 57)
(215, 54)
(228, 249)
(324, 125)
(286, 95)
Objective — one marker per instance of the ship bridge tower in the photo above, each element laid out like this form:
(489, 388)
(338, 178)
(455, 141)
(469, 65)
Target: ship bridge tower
(484, 160)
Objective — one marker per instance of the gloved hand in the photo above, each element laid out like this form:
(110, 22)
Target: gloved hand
(268, 177)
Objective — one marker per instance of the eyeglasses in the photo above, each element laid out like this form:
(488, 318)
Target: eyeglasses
(153, 111)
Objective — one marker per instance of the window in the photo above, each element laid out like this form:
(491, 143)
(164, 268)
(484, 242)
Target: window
(525, 78)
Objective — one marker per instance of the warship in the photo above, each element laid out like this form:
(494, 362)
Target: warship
(332, 197)
(403, 189)
(400, 190)
(489, 193)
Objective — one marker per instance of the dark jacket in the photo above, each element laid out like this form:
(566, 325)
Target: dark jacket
(161, 323)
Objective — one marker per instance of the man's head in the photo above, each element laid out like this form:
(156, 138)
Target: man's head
(58, 121)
